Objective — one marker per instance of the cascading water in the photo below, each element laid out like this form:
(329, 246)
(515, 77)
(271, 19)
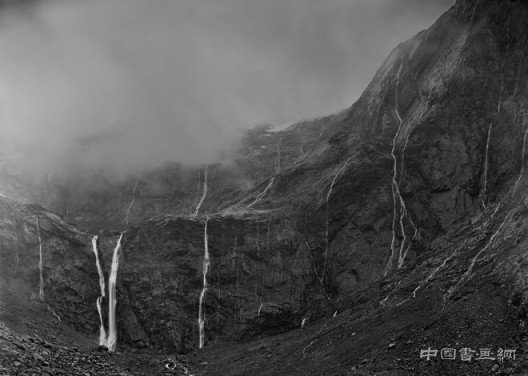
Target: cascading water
(520, 67)
(474, 260)
(278, 165)
(403, 255)
(98, 265)
(496, 233)
(206, 264)
(110, 340)
(102, 331)
(301, 149)
(396, 194)
(482, 196)
(263, 193)
(327, 215)
(394, 185)
(436, 270)
(205, 271)
(424, 111)
(127, 213)
(483, 192)
(523, 155)
(260, 309)
(54, 313)
(41, 263)
(199, 205)
(405, 214)
(112, 299)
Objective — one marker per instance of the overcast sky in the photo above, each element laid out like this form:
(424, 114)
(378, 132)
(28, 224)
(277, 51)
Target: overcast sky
(138, 82)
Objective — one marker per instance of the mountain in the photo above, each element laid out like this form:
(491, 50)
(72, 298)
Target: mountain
(342, 245)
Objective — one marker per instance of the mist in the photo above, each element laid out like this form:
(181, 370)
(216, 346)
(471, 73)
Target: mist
(130, 84)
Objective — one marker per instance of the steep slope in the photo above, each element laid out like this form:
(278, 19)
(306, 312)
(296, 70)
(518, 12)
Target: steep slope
(101, 199)
(404, 211)
(413, 160)
(54, 333)
(458, 121)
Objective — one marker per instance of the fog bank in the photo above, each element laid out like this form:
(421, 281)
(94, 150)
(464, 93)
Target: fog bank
(132, 83)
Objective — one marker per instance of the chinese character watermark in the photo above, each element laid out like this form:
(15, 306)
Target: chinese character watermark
(467, 354)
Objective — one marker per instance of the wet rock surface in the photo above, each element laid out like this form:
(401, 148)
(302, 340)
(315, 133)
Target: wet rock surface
(393, 226)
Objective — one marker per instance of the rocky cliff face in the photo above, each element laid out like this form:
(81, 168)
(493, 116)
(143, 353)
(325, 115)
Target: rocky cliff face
(417, 189)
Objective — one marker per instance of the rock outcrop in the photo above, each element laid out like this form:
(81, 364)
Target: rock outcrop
(418, 188)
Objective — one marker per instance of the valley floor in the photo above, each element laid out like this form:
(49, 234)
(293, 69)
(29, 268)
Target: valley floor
(34, 342)
(383, 340)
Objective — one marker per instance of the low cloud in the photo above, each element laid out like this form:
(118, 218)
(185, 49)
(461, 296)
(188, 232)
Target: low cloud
(132, 83)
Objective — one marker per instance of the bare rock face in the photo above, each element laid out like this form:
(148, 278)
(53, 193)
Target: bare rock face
(419, 186)
(68, 283)
(251, 264)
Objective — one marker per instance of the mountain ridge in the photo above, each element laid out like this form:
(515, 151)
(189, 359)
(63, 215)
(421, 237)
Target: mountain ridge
(392, 226)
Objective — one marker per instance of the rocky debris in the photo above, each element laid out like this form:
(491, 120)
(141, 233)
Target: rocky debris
(449, 106)
(33, 355)
(357, 341)
(28, 355)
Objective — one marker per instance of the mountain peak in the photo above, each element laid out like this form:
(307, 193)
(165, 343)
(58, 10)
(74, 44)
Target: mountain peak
(496, 10)
(397, 224)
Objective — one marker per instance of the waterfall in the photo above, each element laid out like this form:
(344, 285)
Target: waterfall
(260, 309)
(127, 213)
(303, 322)
(521, 172)
(476, 257)
(41, 264)
(394, 177)
(301, 149)
(201, 313)
(54, 313)
(278, 165)
(482, 196)
(520, 67)
(263, 193)
(112, 299)
(102, 332)
(199, 205)
(523, 154)
(327, 216)
(483, 192)
(403, 215)
(403, 255)
(436, 270)
(393, 231)
(396, 194)
(496, 233)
